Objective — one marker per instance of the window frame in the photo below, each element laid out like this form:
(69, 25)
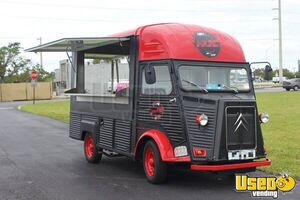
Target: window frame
(245, 66)
(110, 94)
(79, 81)
(144, 65)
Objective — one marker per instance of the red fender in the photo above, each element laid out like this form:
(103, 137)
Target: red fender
(164, 145)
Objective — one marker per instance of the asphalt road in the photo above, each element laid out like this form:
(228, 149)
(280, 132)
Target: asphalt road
(39, 161)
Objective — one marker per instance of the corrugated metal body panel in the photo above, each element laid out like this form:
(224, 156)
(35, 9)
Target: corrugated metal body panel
(90, 118)
(113, 134)
(170, 120)
(75, 126)
(201, 137)
(106, 133)
(122, 135)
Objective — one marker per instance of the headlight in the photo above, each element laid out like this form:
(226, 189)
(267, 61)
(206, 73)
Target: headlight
(264, 117)
(202, 120)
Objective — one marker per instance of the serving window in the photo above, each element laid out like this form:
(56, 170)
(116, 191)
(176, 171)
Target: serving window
(100, 73)
(106, 74)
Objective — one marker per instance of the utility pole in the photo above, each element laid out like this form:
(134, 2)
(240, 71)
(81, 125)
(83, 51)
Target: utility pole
(279, 40)
(41, 55)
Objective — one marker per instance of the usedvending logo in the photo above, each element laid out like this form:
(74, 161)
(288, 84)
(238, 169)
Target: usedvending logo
(264, 186)
(207, 44)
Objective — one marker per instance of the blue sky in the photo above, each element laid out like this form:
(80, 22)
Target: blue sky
(250, 21)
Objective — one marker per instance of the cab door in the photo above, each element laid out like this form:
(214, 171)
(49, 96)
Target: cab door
(158, 102)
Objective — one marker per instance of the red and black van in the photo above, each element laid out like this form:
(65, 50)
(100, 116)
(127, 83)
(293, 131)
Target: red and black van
(165, 94)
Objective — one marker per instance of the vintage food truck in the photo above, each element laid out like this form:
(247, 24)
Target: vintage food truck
(186, 96)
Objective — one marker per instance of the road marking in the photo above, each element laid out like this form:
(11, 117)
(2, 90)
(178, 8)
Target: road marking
(7, 108)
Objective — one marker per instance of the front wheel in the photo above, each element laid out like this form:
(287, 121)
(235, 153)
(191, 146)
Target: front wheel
(90, 150)
(287, 89)
(155, 169)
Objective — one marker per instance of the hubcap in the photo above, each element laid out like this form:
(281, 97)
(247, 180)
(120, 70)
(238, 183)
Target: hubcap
(89, 146)
(149, 161)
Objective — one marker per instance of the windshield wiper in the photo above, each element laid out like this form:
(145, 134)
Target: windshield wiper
(230, 88)
(196, 85)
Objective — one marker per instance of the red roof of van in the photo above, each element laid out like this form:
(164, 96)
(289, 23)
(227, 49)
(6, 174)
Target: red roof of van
(185, 42)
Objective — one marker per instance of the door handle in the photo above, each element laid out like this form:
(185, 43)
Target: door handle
(173, 100)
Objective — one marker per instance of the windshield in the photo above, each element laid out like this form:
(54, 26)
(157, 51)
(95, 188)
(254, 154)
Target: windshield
(213, 78)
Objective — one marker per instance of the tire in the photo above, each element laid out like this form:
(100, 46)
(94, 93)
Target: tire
(155, 169)
(91, 152)
(296, 88)
(287, 89)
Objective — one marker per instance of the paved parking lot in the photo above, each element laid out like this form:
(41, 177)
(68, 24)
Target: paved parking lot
(39, 161)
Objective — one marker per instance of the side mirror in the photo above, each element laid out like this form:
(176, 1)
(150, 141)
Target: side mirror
(268, 68)
(150, 76)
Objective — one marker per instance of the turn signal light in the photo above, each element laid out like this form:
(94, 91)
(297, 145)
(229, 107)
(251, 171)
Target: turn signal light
(264, 117)
(199, 152)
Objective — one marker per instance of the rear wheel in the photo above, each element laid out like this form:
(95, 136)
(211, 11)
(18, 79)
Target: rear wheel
(90, 150)
(155, 169)
(296, 88)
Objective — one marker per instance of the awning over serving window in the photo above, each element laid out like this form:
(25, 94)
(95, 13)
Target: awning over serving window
(76, 44)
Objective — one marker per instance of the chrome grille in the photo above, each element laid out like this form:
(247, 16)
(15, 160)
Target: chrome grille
(240, 127)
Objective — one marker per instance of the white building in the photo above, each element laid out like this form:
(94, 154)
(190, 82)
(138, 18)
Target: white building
(62, 77)
(97, 76)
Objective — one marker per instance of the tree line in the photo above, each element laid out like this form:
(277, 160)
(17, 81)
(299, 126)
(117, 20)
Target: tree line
(260, 72)
(15, 68)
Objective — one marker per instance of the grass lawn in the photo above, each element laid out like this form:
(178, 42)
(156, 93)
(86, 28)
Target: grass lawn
(58, 110)
(281, 134)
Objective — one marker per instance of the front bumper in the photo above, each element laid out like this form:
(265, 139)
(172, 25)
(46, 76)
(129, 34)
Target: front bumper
(231, 166)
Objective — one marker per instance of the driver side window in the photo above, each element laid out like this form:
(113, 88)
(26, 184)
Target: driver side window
(162, 84)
